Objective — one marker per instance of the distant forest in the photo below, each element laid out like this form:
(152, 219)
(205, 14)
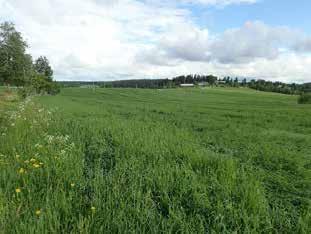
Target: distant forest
(197, 80)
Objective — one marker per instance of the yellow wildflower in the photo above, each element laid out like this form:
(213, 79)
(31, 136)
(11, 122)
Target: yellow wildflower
(21, 171)
(38, 212)
(41, 163)
(32, 160)
(72, 185)
(93, 209)
(35, 165)
(18, 190)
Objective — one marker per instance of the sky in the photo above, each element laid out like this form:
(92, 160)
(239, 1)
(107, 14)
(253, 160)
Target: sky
(98, 40)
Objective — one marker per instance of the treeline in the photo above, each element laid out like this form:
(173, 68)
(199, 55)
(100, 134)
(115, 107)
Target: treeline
(17, 67)
(147, 83)
(143, 83)
(279, 87)
(163, 83)
(198, 80)
(195, 79)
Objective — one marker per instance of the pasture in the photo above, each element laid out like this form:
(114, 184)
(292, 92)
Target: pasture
(213, 160)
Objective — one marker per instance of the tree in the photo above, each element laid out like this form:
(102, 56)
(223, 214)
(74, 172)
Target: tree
(236, 82)
(15, 64)
(42, 66)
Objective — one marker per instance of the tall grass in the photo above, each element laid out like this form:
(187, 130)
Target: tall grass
(304, 98)
(142, 161)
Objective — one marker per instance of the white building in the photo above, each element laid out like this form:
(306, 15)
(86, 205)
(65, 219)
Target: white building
(186, 85)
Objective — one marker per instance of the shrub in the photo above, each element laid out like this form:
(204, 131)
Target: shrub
(44, 86)
(53, 88)
(304, 98)
(24, 92)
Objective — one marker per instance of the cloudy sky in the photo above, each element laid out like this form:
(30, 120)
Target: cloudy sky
(126, 39)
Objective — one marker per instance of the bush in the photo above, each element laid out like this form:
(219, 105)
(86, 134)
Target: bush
(53, 88)
(304, 98)
(24, 92)
(44, 86)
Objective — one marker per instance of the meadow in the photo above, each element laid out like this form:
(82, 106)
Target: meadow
(213, 160)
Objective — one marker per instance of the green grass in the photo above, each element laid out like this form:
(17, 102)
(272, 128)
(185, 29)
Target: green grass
(209, 160)
(8, 100)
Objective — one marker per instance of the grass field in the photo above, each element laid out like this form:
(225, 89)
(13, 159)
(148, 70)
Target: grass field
(213, 160)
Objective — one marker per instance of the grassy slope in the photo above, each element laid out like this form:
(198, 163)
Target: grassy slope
(167, 160)
(8, 100)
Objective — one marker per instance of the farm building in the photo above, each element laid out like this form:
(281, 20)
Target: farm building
(221, 82)
(186, 85)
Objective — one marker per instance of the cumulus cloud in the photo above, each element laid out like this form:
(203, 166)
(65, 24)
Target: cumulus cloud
(115, 39)
(183, 41)
(220, 2)
(186, 42)
(303, 45)
(253, 40)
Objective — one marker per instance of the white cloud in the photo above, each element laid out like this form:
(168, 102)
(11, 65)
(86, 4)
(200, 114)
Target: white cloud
(220, 2)
(303, 45)
(115, 39)
(253, 40)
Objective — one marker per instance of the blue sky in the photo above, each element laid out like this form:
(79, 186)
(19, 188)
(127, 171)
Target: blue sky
(290, 13)
(129, 39)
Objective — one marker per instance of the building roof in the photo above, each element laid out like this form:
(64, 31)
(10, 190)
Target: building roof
(186, 85)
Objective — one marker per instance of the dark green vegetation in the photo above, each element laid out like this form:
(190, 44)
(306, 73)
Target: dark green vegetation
(304, 98)
(175, 160)
(199, 80)
(17, 67)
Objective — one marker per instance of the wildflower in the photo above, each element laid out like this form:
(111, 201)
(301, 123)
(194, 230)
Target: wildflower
(26, 161)
(38, 212)
(32, 160)
(72, 185)
(41, 163)
(21, 171)
(93, 209)
(18, 190)
(36, 165)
